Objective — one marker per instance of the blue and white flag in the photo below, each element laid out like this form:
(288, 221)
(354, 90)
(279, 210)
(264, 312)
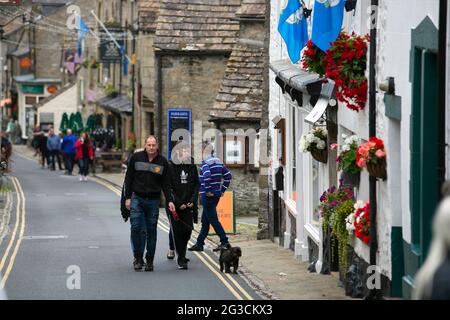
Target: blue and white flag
(124, 61)
(82, 30)
(327, 22)
(293, 28)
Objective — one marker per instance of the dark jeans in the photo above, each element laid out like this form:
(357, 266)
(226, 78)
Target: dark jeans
(144, 220)
(45, 156)
(180, 231)
(84, 166)
(54, 155)
(209, 217)
(69, 158)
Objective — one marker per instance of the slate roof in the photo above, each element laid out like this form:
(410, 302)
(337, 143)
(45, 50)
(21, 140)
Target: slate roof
(241, 93)
(148, 13)
(252, 9)
(196, 25)
(116, 103)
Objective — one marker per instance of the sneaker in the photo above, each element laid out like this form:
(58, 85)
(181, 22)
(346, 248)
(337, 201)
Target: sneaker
(182, 264)
(85, 178)
(137, 264)
(195, 247)
(222, 246)
(171, 254)
(149, 264)
(81, 178)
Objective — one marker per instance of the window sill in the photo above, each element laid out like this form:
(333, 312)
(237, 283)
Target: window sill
(313, 233)
(291, 206)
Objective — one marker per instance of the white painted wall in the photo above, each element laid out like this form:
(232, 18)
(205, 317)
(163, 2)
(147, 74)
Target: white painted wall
(397, 21)
(65, 102)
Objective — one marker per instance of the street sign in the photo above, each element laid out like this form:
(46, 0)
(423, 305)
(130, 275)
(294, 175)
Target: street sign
(225, 213)
(179, 125)
(109, 52)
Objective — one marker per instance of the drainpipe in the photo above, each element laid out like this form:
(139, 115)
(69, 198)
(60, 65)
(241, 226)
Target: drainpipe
(442, 61)
(374, 293)
(159, 97)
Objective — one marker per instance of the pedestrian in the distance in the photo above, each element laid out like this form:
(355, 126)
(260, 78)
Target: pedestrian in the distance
(214, 181)
(43, 150)
(185, 187)
(84, 154)
(53, 146)
(68, 148)
(147, 174)
(433, 279)
(18, 130)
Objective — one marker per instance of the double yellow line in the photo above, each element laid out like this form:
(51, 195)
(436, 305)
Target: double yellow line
(229, 282)
(16, 236)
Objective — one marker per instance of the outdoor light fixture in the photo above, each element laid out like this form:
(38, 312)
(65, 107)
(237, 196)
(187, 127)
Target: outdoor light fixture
(388, 85)
(350, 5)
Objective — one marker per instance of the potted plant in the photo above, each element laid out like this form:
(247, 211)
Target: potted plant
(347, 161)
(358, 223)
(338, 221)
(373, 156)
(345, 63)
(315, 142)
(329, 201)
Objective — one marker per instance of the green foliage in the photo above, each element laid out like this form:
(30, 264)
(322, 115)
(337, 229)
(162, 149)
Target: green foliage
(338, 226)
(118, 144)
(109, 89)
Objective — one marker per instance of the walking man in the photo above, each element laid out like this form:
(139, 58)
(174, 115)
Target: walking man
(68, 148)
(185, 187)
(53, 146)
(214, 181)
(147, 174)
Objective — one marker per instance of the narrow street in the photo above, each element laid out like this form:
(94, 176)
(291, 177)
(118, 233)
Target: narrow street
(59, 224)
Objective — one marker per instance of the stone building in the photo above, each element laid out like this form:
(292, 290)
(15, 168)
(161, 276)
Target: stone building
(193, 43)
(239, 104)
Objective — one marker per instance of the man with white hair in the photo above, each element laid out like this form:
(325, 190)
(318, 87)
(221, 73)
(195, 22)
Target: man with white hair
(68, 148)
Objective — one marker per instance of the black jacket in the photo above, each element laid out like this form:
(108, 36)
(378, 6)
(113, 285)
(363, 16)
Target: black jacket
(185, 185)
(147, 179)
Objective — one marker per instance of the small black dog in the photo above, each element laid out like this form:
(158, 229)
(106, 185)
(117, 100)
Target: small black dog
(229, 256)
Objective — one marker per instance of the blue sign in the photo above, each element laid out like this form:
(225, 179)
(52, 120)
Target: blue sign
(178, 127)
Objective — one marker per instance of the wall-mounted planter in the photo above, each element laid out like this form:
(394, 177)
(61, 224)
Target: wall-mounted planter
(320, 155)
(350, 179)
(377, 170)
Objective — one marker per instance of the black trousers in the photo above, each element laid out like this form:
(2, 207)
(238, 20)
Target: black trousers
(55, 156)
(181, 230)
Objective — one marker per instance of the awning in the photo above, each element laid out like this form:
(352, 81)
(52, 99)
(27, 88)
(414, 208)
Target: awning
(30, 79)
(297, 82)
(116, 103)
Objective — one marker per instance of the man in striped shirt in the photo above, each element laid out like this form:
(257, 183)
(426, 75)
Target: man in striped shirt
(214, 181)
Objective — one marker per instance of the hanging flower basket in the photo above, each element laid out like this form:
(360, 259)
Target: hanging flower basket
(377, 170)
(320, 155)
(350, 179)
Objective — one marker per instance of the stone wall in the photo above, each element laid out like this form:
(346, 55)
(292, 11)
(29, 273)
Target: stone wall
(190, 82)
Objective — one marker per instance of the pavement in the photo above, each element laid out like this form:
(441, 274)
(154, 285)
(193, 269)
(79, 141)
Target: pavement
(272, 271)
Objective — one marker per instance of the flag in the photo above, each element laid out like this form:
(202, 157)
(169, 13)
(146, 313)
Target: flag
(293, 28)
(70, 66)
(82, 30)
(327, 22)
(124, 61)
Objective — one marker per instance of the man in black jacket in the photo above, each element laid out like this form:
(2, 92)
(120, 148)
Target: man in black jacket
(147, 174)
(185, 187)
